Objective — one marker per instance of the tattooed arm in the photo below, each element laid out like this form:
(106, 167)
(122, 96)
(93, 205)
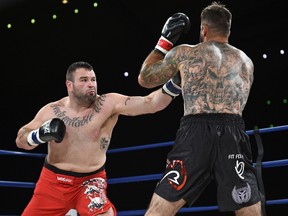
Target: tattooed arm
(139, 105)
(21, 139)
(157, 69)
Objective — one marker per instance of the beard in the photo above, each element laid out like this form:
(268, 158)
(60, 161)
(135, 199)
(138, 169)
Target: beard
(89, 97)
(85, 99)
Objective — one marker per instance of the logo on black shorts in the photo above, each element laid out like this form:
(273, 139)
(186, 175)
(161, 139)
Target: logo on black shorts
(176, 174)
(241, 195)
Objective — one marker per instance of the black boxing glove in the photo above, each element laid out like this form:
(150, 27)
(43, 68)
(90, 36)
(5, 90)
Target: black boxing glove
(172, 29)
(173, 86)
(53, 129)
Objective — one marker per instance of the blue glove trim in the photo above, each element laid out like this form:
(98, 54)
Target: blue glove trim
(33, 138)
(171, 89)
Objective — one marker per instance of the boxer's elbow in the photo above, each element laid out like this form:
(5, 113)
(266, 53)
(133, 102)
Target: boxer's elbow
(19, 143)
(23, 144)
(142, 82)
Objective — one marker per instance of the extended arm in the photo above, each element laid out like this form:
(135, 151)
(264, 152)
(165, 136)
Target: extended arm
(152, 103)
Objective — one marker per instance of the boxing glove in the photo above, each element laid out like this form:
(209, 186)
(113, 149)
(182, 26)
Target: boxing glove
(172, 29)
(173, 86)
(53, 129)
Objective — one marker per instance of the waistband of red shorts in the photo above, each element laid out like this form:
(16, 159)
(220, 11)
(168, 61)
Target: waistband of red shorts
(70, 173)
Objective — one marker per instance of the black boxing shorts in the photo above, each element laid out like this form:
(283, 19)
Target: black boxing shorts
(211, 147)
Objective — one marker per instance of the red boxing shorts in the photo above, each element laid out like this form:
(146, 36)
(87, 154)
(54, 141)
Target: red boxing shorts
(57, 191)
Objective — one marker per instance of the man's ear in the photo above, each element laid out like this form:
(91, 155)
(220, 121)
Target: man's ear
(204, 29)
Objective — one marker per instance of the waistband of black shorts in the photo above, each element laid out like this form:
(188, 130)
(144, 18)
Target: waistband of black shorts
(215, 118)
(70, 173)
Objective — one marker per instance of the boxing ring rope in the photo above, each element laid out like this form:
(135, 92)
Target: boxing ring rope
(265, 164)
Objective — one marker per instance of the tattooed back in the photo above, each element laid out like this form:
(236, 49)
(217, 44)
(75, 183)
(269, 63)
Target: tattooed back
(216, 77)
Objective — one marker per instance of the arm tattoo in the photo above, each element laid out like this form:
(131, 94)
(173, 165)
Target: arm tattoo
(104, 143)
(127, 99)
(24, 131)
(160, 72)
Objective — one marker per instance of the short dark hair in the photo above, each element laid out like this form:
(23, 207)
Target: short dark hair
(74, 66)
(217, 17)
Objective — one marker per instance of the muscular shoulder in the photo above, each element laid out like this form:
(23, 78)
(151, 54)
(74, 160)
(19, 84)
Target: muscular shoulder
(48, 111)
(110, 100)
(223, 53)
(113, 98)
(184, 49)
(58, 103)
(244, 60)
(49, 108)
(181, 53)
(240, 52)
(118, 103)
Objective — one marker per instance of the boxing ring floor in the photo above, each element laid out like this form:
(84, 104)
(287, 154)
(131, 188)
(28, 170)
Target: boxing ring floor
(117, 187)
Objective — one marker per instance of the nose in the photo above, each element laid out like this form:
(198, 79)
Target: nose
(92, 83)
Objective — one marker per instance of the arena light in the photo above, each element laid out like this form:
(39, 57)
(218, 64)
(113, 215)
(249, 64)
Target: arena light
(268, 102)
(126, 74)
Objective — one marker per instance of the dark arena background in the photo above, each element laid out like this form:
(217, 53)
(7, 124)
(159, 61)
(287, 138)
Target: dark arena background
(40, 39)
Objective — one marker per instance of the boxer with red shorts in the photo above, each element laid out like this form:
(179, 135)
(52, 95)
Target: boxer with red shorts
(78, 129)
(58, 191)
